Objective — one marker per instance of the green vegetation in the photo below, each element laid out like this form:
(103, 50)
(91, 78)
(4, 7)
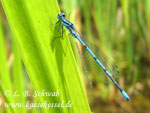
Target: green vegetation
(119, 28)
(48, 63)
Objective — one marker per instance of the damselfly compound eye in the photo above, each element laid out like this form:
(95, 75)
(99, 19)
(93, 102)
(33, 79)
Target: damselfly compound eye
(63, 14)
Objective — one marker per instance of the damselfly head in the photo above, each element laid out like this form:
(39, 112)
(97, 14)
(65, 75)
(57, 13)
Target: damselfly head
(61, 15)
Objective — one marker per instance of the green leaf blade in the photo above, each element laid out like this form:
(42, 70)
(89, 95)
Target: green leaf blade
(50, 65)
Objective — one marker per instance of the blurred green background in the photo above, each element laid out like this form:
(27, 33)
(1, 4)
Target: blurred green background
(121, 29)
